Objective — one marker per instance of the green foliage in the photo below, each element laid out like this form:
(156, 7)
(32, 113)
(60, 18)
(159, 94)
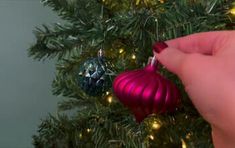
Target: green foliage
(114, 25)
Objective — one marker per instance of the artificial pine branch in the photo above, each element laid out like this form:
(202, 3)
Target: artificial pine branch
(113, 25)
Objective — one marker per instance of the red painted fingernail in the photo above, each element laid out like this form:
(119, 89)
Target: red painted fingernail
(159, 47)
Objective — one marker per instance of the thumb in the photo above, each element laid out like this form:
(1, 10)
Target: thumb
(187, 66)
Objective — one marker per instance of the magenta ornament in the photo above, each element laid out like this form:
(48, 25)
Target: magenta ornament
(145, 91)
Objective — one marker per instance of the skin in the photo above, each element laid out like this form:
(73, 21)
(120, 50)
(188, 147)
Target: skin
(205, 62)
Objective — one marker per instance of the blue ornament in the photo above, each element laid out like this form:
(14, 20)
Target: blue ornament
(94, 76)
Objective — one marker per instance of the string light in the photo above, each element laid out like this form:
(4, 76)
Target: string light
(110, 99)
(232, 11)
(107, 92)
(183, 143)
(121, 50)
(151, 137)
(133, 57)
(137, 2)
(231, 14)
(156, 125)
(188, 136)
(80, 135)
(88, 130)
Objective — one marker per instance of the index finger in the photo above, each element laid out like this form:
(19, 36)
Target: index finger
(205, 43)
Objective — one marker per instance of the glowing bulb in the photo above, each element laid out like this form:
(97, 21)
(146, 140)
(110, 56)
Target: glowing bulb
(183, 144)
(188, 136)
(156, 125)
(88, 130)
(110, 99)
(151, 137)
(137, 2)
(133, 56)
(80, 135)
(121, 50)
(107, 92)
(232, 11)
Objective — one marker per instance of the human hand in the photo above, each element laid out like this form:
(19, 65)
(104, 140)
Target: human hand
(205, 62)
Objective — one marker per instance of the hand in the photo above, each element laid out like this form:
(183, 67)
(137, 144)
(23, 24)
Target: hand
(205, 62)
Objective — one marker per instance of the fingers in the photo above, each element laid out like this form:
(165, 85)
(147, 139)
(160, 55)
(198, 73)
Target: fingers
(204, 43)
(172, 59)
(187, 66)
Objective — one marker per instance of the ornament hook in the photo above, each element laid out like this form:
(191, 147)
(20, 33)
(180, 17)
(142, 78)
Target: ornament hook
(152, 61)
(100, 53)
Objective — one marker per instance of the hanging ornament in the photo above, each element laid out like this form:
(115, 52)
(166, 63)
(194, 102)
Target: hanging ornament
(145, 91)
(95, 75)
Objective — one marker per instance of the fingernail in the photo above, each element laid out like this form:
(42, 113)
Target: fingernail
(159, 47)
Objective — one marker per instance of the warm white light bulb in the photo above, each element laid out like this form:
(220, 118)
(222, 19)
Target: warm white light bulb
(183, 144)
(88, 130)
(133, 56)
(121, 50)
(151, 137)
(110, 99)
(232, 11)
(156, 125)
(80, 135)
(107, 92)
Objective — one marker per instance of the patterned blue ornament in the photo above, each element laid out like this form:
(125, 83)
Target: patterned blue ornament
(94, 78)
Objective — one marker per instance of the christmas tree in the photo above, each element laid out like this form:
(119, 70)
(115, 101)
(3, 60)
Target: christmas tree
(100, 39)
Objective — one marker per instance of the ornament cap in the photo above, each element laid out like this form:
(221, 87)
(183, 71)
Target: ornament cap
(100, 53)
(152, 64)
